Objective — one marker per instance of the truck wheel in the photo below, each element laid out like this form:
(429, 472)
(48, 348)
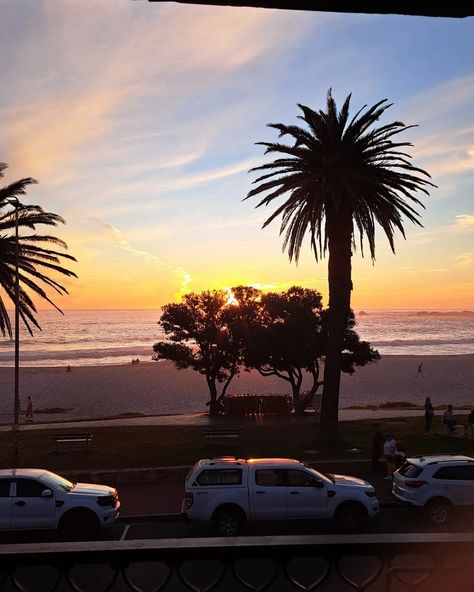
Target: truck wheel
(228, 523)
(79, 525)
(438, 511)
(351, 517)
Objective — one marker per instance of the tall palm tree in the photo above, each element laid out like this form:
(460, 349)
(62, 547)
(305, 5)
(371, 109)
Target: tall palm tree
(339, 176)
(36, 260)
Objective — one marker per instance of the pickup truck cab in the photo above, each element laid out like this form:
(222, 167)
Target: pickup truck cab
(230, 491)
(37, 499)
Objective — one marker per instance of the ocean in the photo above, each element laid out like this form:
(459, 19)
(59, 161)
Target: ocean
(105, 337)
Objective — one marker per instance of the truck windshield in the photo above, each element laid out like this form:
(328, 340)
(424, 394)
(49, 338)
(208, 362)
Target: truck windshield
(54, 480)
(322, 476)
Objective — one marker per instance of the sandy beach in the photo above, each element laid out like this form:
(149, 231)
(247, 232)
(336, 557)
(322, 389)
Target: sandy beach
(158, 388)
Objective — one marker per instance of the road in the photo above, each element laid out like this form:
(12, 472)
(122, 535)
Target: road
(393, 520)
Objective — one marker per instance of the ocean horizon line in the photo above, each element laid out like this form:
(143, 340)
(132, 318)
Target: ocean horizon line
(357, 309)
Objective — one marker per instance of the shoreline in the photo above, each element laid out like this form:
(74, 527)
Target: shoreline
(158, 389)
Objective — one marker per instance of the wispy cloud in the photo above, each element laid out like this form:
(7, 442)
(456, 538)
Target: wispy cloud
(185, 280)
(445, 143)
(462, 224)
(118, 238)
(464, 260)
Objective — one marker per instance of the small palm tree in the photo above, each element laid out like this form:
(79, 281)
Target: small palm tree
(338, 175)
(35, 259)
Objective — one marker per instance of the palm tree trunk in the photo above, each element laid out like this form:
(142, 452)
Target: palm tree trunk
(339, 232)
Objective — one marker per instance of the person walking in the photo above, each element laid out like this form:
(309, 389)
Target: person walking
(29, 409)
(419, 372)
(376, 448)
(389, 449)
(429, 414)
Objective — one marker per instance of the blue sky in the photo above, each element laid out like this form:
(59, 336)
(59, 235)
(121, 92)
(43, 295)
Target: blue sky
(140, 120)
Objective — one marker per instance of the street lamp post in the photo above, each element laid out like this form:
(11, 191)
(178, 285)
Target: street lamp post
(16, 401)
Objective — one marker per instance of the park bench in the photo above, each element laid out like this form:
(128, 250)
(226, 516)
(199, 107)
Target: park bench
(72, 438)
(223, 434)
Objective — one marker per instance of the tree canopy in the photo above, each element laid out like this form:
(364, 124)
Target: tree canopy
(337, 177)
(278, 334)
(37, 262)
(199, 338)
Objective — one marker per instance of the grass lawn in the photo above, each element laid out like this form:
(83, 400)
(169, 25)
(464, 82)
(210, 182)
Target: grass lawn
(154, 446)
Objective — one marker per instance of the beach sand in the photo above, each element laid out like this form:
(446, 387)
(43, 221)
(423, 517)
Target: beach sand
(158, 388)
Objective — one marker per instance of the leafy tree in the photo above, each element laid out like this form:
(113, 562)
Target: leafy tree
(36, 260)
(339, 175)
(199, 338)
(288, 338)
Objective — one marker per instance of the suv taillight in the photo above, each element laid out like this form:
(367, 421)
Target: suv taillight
(415, 483)
(188, 499)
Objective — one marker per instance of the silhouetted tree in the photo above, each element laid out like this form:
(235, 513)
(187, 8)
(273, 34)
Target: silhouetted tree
(36, 261)
(336, 174)
(199, 338)
(288, 338)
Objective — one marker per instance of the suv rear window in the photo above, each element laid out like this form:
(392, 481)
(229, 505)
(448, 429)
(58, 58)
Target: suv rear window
(456, 473)
(409, 470)
(220, 477)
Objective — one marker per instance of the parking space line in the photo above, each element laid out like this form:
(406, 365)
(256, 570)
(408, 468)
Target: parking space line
(125, 531)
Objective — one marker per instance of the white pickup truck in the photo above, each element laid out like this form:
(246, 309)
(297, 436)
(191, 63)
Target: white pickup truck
(230, 491)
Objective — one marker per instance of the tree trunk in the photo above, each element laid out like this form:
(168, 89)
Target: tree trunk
(339, 232)
(213, 405)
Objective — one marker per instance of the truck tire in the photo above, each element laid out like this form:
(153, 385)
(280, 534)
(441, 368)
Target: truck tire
(351, 517)
(438, 511)
(79, 525)
(228, 522)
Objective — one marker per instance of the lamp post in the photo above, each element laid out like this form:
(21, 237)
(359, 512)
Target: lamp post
(16, 401)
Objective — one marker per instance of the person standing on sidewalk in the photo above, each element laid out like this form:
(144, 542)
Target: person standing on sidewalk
(429, 414)
(376, 448)
(389, 449)
(29, 409)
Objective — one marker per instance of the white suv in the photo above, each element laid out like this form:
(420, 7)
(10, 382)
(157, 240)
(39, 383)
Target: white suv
(32, 499)
(435, 482)
(229, 491)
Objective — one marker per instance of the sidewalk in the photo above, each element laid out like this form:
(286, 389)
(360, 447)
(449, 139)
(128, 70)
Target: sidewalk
(45, 421)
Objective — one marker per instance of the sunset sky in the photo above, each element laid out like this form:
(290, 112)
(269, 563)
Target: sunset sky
(139, 121)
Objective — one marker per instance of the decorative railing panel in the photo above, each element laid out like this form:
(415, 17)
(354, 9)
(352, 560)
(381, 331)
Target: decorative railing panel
(372, 563)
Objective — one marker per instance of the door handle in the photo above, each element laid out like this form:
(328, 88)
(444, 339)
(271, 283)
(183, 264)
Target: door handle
(20, 503)
(294, 492)
(260, 492)
(202, 492)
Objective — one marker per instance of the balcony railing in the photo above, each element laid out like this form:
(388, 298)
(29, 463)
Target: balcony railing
(372, 563)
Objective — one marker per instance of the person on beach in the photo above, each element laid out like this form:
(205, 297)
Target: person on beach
(68, 369)
(448, 419)
(377, 448)
(389, 449)
(429, 414)
(29, 409)
(419, 372)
